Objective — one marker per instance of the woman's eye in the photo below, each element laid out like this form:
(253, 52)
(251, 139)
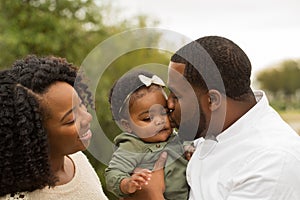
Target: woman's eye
(70, 122)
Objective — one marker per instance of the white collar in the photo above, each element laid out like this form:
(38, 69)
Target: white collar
(248, 118)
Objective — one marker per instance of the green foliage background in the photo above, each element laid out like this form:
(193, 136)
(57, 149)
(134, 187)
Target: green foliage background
(282, 84)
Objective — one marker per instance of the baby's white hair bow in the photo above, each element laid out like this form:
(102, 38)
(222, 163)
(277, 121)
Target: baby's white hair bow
(148, 81)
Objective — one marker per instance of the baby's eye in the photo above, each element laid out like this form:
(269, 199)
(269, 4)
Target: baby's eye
(147, 119)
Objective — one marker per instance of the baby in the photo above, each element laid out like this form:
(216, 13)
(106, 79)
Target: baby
(139, 106)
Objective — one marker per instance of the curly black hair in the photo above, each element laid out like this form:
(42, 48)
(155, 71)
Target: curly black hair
(24, 155)
(128, 84)
(213, 55)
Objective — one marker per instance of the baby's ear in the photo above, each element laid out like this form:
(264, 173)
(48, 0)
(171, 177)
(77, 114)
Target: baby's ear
(125, 125)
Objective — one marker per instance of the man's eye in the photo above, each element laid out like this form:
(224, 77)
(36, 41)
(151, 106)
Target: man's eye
(164, 112)
(175, 97)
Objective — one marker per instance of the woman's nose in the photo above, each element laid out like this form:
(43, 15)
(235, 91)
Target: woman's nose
(86, 118)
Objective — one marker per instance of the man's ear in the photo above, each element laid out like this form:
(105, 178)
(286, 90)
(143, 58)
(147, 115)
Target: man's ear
(125, 125)
(215, 99)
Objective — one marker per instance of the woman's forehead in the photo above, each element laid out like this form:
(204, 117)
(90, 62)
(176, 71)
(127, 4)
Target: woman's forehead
(60, 98)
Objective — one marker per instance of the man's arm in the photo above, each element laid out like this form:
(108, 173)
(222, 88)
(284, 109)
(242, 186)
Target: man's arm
(156, 186)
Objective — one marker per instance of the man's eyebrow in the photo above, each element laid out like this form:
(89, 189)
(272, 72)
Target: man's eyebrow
(172, 89)
(67, 113)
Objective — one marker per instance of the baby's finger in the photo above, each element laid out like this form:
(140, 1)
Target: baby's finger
(145, 173)
(141, 179)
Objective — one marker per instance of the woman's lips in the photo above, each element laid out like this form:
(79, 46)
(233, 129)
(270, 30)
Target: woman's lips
(86, 136)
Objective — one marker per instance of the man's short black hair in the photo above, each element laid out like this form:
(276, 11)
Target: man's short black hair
(215, 62)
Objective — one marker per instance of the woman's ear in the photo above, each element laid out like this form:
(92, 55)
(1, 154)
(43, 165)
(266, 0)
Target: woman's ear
(215, 99)
(125, 125)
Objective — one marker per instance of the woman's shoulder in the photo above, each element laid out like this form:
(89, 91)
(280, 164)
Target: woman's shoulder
(82, 164)
(78, 156)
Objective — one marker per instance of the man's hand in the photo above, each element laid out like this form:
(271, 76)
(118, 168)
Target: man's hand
(156, 185)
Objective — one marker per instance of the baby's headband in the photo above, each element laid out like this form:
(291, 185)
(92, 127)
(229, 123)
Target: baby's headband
(148, 81)
(145, 81)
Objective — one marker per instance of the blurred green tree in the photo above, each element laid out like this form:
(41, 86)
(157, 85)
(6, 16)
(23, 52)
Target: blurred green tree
(282, 82)
(66, 28)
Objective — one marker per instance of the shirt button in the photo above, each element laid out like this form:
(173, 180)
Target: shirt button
(157, 145)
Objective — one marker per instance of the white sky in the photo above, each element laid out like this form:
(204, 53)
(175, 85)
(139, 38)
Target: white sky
(267, 30)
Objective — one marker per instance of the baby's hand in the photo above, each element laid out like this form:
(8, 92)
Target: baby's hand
(136, 181)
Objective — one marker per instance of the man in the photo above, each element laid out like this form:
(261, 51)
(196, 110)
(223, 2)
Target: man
(249, 152)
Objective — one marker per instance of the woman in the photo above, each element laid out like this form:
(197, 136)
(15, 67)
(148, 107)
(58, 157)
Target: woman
(44, 126)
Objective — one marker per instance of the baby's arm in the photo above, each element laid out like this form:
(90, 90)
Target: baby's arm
(120, 167)
(135, 181)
